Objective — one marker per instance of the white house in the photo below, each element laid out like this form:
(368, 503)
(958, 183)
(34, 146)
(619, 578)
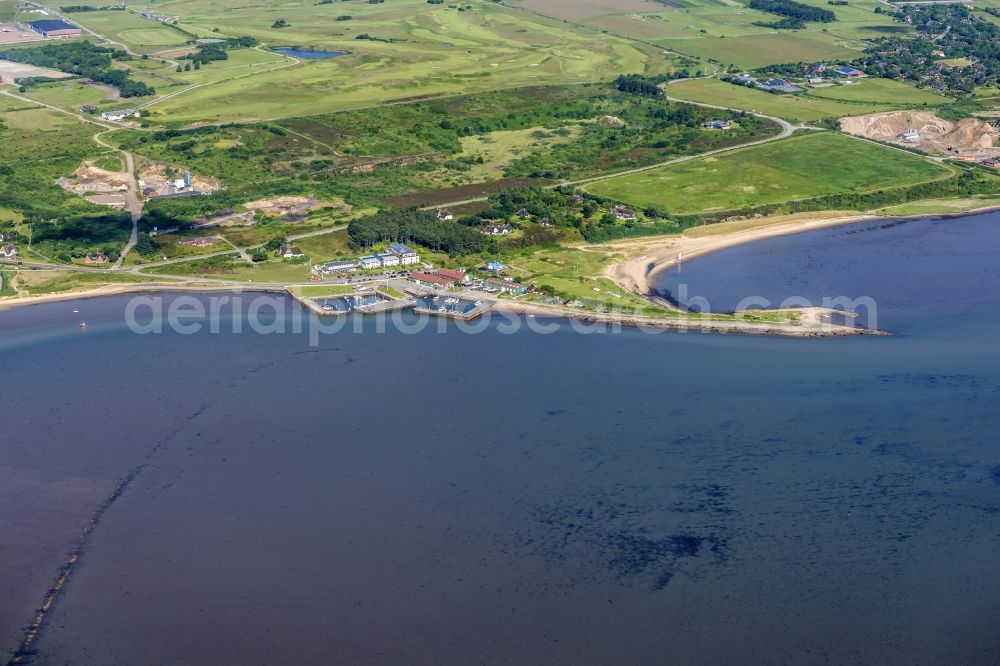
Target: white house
(118, 116)
(406, 255)
(498, 230)
(8, 251)
(370, 262)
(443, 214)
(909, 136)
(388, 260)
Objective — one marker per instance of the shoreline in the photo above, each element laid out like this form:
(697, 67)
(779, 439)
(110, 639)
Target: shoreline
(644, 258)
(636, 272)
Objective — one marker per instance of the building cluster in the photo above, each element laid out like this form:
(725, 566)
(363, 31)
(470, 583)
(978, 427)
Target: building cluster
(153, 16)
(120, 115)
(814, 74)
(8, 251)
(396, 255)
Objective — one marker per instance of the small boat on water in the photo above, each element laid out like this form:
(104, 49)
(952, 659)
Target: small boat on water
(83, 324)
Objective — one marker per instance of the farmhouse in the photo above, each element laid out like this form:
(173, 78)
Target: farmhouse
(443, 214)
(55, 28)
(8, 251)
(118, 116)
(96, 258)
(494, 267)
(288, 252)
(405, 254)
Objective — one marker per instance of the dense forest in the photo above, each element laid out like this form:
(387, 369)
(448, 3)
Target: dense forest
(414, 226)
(793, 10)
(215, 51)
(81, 58)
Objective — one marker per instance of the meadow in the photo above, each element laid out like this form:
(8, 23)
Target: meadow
(396, 51)
(800, 167)
(818, 103)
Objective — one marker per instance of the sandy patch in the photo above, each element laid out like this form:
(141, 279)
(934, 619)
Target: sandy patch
(967, 138)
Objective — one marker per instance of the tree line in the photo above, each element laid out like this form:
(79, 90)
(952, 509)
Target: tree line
(793, 10)
(414, 226)
(81, 59)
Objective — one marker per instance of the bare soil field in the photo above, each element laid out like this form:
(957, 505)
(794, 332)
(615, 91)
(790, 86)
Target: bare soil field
(15, 70)
(968, 138)
(11, 34)
(291, 206)
(98, 186)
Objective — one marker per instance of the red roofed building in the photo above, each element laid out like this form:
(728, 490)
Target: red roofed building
(452, 274)
(431, 280)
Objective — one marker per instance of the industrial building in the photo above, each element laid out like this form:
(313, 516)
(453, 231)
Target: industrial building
(55, 28)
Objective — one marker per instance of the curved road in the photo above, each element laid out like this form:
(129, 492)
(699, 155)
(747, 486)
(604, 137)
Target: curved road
(786, 130)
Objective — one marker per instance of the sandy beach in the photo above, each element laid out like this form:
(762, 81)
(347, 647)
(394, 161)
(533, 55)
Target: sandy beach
(644, 258)
(639, 261)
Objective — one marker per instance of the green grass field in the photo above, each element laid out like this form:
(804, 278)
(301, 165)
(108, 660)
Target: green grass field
(757, 50)
(800, 167)
(880, 91)
(421, 50)
(795, 108)
(139, 34)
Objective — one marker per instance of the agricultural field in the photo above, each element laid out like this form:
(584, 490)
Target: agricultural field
(800, 167)
(816, 104)
(757, 50)
(727, 32)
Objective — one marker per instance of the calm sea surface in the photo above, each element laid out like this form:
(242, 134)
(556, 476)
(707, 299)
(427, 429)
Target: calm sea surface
(562, 498)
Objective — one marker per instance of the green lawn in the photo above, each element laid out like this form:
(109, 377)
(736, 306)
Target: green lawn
(139, 34)
(880, 91)
(801, 167)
